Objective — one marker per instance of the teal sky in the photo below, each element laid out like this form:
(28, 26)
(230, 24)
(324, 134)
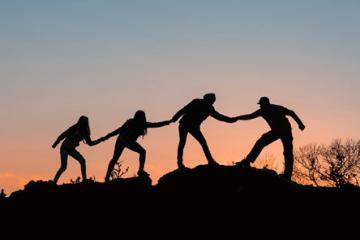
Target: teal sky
(106, 59)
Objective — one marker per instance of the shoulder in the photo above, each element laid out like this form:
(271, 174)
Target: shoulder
(193, 104)
(275, 106)
(196, 101)
(73, 128)
(259, 112)
(129, 122)
(279, 108)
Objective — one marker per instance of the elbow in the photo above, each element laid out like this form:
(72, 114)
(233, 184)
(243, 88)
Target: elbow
(292, 113)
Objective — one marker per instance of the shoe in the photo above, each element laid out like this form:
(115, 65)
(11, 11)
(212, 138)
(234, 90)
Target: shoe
(86, 181)
(213, 163)
(181, 166)
(142, 173)
(285, 177)
(243, 163)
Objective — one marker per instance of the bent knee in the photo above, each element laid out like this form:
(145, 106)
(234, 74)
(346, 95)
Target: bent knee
(82, 162)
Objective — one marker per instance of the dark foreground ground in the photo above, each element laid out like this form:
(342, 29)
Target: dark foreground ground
(202, 185)
(237, 198)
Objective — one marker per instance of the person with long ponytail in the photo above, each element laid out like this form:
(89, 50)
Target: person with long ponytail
(128, 134)
(71, 139)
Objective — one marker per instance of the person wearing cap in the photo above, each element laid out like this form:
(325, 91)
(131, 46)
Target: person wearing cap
(276, 117)
(192, 115)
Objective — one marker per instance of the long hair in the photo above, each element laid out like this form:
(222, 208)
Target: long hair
(140, 118)
(83, 126)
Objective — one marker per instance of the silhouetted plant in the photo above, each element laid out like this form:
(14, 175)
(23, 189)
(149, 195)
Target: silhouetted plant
(268, 162)
(79, 180)
(118, 171)
(336, 165)
(76, 181)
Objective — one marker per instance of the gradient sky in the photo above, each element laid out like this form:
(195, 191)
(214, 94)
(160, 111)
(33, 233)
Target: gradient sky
(107, 59)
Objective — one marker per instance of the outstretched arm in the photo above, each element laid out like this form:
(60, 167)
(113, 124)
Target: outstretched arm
(178, 115)
(222, 118)
(62, 136)
(158, 124)
(91, 142)
(296, 118)
(110, 135)
(181, 112)
(249, 116)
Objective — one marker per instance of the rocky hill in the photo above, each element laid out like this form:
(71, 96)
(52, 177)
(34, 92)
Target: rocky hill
(219, 187)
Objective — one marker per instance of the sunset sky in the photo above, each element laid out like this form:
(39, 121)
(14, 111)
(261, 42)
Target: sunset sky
(106, 59)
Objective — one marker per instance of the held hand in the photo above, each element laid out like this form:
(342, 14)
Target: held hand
(102, 139)
(234, 119)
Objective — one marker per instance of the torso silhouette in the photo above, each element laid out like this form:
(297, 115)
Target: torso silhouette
(131, 130)
(196, 112)
(275, 116)
(73, 138)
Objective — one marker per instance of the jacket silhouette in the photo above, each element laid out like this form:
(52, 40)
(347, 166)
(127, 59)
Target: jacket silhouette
(276, 117)
(128, 134)
(71, 139)
(192, 115)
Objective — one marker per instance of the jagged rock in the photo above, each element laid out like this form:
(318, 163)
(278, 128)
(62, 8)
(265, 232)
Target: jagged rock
(229, 180)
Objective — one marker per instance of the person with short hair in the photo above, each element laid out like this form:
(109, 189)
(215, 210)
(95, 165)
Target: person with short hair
(192, 116)
(276, 117)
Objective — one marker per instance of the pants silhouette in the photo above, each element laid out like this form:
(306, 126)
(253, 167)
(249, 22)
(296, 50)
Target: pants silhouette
(268, 138)
(64, 160)
(197, 134)
(120, 145)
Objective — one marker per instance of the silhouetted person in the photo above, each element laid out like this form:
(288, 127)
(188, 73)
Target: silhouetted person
(276, 117)
(193, 115)
(127, 137)
(72, 137)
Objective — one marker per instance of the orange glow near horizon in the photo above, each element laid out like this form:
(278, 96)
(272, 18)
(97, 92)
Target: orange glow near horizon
(229, 143)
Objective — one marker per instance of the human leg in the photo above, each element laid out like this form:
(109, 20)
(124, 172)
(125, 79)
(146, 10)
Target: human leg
(64, 157)
(77, 156)
(263, 141)
(134, 146)
(287, 142)
(197, 134)
(119, 147)
(183, 132)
